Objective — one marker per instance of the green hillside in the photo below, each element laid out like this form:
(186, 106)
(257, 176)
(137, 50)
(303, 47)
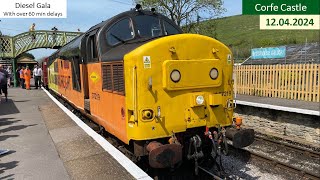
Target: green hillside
(242, 33)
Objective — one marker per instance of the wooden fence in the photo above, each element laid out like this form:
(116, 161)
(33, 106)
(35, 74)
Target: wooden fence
(291, 81)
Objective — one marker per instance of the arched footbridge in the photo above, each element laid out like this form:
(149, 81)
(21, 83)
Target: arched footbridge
(11, 47)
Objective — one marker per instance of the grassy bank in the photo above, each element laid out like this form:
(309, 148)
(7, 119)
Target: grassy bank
(241, 33)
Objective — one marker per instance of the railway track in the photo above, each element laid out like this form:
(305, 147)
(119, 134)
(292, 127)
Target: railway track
(303, 162)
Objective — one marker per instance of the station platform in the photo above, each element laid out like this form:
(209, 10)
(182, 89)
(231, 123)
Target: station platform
(301, 107)
(47, 142)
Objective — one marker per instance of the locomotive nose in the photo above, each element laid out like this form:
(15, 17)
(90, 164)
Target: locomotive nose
(191, 74)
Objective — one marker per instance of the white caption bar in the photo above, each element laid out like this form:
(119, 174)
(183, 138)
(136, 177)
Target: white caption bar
(290, 22)
(33, 9)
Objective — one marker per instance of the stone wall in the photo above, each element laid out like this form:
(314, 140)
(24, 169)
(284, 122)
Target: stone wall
(300, 127)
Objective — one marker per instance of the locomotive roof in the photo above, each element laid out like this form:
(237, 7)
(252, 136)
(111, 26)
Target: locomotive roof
(129, 13)
(114, 52)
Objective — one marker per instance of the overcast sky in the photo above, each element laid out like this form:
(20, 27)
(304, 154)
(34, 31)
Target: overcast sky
(83, 14)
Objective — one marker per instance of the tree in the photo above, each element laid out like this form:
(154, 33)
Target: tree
(185, 12)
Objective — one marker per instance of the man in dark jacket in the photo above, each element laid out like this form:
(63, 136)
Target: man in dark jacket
(54, 34)
(3, 82)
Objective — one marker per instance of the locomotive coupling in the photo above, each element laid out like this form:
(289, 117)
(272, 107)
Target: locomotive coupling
(164, 155)
(240, 137)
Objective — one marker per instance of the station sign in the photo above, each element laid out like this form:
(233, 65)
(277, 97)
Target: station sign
(294, 7)
(268, 53)
(284, 14)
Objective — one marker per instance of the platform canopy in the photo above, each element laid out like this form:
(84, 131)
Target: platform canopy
(26, 60)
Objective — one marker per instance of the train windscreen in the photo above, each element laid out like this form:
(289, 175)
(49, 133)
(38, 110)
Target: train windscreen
(120, 32)
(148, 26)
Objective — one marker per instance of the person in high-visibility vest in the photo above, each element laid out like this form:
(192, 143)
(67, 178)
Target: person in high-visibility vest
(27, 77)
(21, 72)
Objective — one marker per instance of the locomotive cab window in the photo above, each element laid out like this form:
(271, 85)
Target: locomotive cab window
(120, 32)
(148, 26)
(169, 29)
(91, 49)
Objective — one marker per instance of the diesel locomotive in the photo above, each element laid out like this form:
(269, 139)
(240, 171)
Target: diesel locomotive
(166, 94)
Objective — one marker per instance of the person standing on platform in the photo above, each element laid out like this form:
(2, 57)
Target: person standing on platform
(37, 73)
(32, 33)
(27, 77)
(18, 75)
(3, 82)
(22, 80)
(9, 70)
(54, 34)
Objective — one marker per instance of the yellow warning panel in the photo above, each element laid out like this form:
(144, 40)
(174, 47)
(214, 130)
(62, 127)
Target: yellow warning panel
(94, 77)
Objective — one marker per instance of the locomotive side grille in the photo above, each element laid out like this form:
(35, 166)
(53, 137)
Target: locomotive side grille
(55, 67)
(113, 78)
(66, 64)
(56, 79)
(107, 77)
(118, 81)
(121, 78)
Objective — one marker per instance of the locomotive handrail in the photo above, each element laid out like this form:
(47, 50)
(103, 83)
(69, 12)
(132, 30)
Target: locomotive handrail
(134, 95)
(11, 47)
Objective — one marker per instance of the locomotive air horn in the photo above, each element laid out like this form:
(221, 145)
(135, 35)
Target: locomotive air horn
(138, 7)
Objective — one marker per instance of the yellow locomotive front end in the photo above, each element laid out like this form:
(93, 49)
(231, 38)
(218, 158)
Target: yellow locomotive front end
(180, 87)
(176, 83)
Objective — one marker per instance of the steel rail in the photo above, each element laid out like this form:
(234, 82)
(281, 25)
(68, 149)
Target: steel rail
(310, 174)
(295, 147)
(301, 171)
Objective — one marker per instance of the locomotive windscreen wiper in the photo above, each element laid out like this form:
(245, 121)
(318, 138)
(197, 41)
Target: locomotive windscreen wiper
(118, 38)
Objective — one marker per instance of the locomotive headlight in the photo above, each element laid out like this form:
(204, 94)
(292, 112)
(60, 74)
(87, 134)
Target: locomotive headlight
(199, 100)
(175, 76)
(214, 73)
